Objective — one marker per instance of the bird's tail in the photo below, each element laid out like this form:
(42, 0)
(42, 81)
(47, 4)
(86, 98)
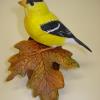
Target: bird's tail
(82, 44)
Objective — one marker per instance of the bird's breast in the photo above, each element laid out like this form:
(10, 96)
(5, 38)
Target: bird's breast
(33, 28)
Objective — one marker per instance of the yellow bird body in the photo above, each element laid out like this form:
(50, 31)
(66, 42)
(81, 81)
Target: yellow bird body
(35, 17)
(44, 27)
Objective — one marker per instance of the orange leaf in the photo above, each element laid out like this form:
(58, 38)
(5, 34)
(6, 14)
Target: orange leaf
(41, 64)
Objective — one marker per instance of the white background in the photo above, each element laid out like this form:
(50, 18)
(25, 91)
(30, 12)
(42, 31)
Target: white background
(83, 18)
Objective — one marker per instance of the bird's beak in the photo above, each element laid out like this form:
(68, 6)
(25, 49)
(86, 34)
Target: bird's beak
(22, 3)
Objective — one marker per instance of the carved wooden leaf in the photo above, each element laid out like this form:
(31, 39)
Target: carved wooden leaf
(40, 63)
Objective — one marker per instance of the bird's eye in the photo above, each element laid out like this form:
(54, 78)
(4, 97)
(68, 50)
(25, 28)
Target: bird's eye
(31, 2)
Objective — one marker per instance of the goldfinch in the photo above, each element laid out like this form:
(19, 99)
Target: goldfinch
(44, 27)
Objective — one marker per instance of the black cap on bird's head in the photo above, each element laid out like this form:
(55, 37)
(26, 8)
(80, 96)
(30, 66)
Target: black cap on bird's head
(31, 2)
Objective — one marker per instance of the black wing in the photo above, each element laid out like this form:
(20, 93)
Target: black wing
(57, 28)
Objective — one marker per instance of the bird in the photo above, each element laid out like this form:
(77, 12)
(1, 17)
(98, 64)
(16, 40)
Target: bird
(45, 27)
